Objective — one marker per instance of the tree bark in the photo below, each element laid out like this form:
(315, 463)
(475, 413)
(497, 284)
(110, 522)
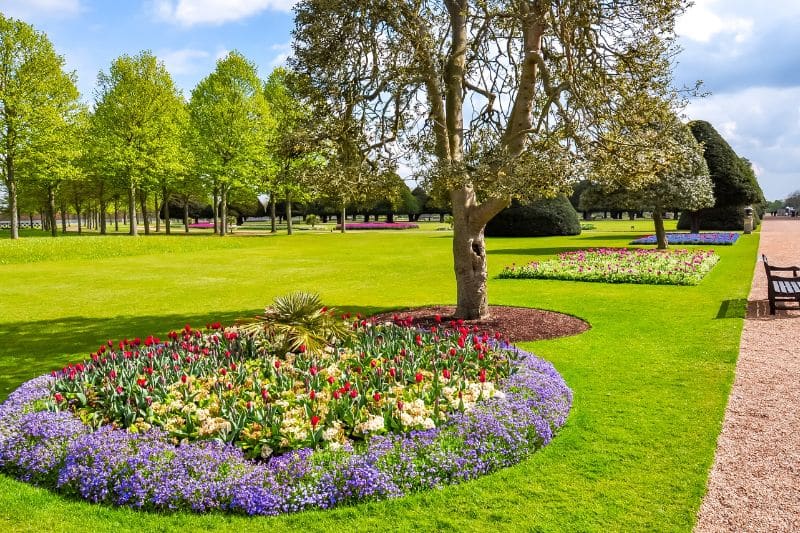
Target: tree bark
(116, 213)
(215, 207)
(342, 218)
(63, 210)
(143, 204)
(158, 212)
(223, 207)
(132, 229)
(51, 210)
(165, 196)
(694, 217)
(469, 250)
(11, 185)
(661, 234)
(272, 224)
(186, 215)
(288, 212)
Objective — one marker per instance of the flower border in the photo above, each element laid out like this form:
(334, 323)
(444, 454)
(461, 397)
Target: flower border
(719, 238)
(143, 470)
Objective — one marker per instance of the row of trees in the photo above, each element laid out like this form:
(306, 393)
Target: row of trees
(143, 148)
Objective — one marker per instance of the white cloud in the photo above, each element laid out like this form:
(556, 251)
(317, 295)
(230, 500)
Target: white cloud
(701, 23)
(185, 61)
(27, 9)
(195, 12)
(763, 125)
(283, 53)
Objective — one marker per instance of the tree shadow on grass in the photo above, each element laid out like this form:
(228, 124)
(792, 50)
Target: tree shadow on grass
(34, 348)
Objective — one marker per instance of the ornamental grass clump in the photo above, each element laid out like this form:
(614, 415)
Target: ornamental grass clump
(621, 265)
(709, 238)
(208, 420)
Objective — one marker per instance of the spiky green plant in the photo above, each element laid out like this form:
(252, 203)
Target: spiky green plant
(297, 320)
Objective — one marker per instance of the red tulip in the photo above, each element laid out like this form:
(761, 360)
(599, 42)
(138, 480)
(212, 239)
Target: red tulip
(353, 393)
(314, 421)
(184, 378)
(264, 394)
(312, 394)
(58, 397)
(112, 374)
(277, 364)
(337, 395)
(119, 390)
(313, 371)
(376, 397)
(399, 405)
(438, 318)
(302, 348)
(142, 382)
(418, 376)
(445, 373)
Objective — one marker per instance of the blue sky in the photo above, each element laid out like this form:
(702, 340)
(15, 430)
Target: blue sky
(747, 53)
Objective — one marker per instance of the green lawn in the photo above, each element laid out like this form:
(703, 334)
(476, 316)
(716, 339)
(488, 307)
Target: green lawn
(651, 377)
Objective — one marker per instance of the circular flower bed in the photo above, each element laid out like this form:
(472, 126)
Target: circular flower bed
(215, 420)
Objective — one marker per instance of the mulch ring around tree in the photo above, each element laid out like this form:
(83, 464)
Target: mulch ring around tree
(518, 324)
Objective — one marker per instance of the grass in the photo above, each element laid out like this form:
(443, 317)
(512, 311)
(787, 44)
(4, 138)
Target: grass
(651, 378)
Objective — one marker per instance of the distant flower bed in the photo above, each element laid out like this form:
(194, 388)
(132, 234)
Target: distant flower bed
(202, 225)
(715, 238)
(378, 225)
(621, 265)
(206, 421)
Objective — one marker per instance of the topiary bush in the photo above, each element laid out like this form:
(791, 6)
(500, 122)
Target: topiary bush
(730, 218)
(554, 216)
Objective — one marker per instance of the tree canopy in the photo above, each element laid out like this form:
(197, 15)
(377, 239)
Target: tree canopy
(497, 99)
(37, 97)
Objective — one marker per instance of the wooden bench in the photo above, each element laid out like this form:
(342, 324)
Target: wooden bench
(780, 287)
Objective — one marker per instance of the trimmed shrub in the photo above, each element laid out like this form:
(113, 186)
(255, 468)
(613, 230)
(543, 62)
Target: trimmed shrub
(730, 218)
(541, 218)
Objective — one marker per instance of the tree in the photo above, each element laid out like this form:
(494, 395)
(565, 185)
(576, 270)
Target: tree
(497, 99)
(735, 184)
(229, 114)
(685, 185)
(34, 92)
(136, 125)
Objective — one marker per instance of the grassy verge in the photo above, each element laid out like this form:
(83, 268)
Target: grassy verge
(651, 377)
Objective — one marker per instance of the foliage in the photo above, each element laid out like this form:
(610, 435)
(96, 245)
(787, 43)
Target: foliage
(37, 101)
(495, 100)
(620, 265)
(136, 125)
(297, 320)
(729, 218)
(734, 181)
(692, 238)
(793, 200)
(55, 449)
(543, 217)
(231, 120)
(312, 220)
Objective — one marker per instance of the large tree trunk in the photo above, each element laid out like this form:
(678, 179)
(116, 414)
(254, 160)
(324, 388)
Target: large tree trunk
(469, 250)
(165, 195)
(132, 229)
(661, 234)
(288, 212)
(51, 210)
(342, 218)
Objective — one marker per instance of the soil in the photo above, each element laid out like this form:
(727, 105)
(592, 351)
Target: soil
(516, 324)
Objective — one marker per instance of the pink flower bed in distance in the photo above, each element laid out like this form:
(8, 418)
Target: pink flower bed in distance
(378, 225)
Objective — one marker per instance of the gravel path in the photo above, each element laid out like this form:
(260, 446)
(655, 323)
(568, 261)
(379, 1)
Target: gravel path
(755, 482)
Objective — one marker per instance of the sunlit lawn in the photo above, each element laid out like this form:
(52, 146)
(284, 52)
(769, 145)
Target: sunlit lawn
(650, 378)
